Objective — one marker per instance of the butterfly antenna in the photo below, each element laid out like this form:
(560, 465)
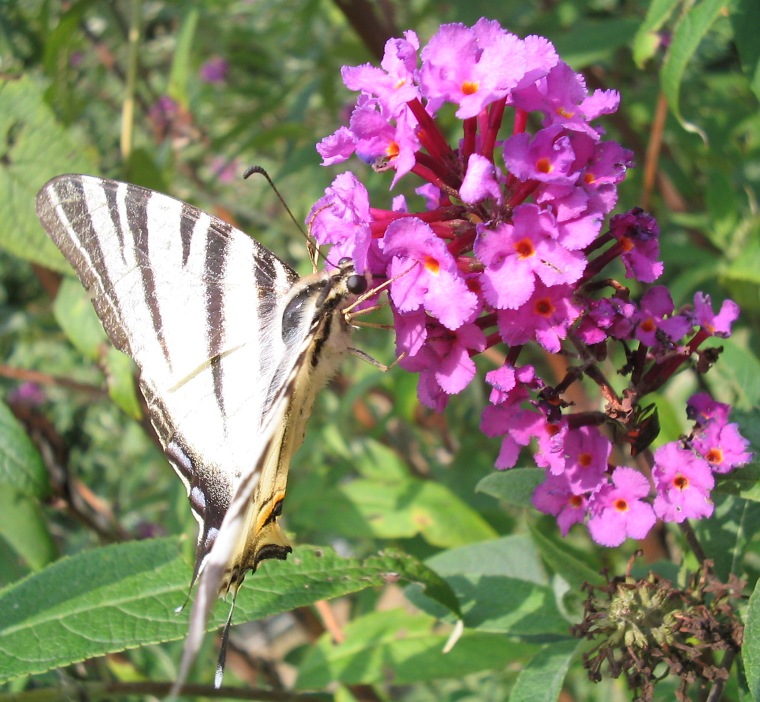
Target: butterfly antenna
(258, 170)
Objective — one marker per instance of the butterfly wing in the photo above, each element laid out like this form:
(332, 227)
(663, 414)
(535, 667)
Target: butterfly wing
(197, 304)
(231, 346)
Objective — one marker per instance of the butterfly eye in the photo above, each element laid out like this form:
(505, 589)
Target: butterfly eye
(356, 284)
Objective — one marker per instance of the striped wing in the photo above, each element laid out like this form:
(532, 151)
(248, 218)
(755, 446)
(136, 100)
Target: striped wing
(231, 346)
(198, 305)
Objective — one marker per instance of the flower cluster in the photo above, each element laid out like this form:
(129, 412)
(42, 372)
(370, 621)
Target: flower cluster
(511, 248)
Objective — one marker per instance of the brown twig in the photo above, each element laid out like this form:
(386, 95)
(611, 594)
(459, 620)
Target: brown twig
(32, 376)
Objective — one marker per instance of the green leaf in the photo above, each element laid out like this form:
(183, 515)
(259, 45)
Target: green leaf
(33, 148)
(737, 373)
(24, 528)
(542, 677)
(594, 41)
(498, 604)
(646, 42)
(725, 536)
(565, 562)
(75, 314)
(401, 648)
(687, 35)
(21, 466)
(121, 382)
(745, 19)
(123, 596)
(511, 555)
(180, 73)
(751, 646)
(409, 507)
(743, 482)
(405, 567)
(514, 486)
(501, 587)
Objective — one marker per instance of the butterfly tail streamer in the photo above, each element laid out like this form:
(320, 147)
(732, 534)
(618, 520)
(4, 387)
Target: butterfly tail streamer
(215, 569)
(222, 660)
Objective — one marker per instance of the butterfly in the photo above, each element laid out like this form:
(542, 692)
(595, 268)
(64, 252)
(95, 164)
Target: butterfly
(231, 346)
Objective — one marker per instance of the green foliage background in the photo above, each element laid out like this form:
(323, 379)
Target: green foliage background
(409, 500)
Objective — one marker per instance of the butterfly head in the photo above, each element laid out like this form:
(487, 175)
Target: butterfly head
(354, 283)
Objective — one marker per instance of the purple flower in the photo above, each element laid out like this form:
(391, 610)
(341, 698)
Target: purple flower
(714, 324)
(619, 511)
(557, 497)
(215, 70)
(586, 455)
(516, 254)
(443, 361)
(638, 234)
(480, 181)
(683, 482)
(163, 112)
(551, 446)
(26, 393)
(343, 217)
(472, 67)
(562, 97)
(225, 170)
(703, 410)
(396, 83)
(607, 317)
(425, 274)
(544, 318)
(547, 156)
(654, 317)
(722, 446)
(512, 421)
(337, 147)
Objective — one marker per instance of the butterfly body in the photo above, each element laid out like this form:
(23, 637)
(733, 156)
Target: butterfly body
(231, 345)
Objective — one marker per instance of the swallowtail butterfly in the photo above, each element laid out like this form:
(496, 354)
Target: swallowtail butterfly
(231, 345)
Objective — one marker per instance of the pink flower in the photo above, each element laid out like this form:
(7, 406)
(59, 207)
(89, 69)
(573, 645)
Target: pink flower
(426, 274)
(516, 254)
(557, 497)
(619, 511)
(215, 70)
(683, 482)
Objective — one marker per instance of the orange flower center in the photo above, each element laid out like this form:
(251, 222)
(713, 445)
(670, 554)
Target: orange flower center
(648, 325)
(625, 243)
(575, 501)
(432, 264)
(469, 87)
(714, 456)
(524, 248)
(562, 112)
(584, 460)
(391, 151)
(544, 165)
(621, 505)
(680, 482)
(589, 178)
(544, 307)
